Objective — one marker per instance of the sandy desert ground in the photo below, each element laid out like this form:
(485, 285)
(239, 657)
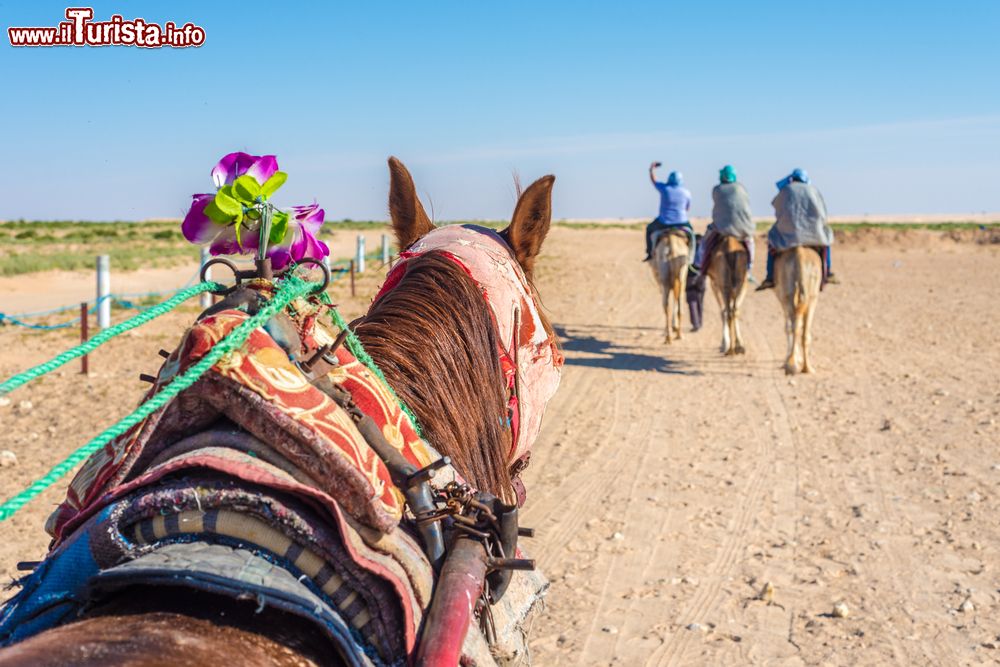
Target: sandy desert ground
(671, 486)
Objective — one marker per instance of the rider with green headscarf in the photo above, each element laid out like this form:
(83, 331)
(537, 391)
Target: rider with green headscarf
(731, 216)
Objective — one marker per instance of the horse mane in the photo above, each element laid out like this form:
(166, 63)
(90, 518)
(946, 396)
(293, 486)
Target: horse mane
(435, 340)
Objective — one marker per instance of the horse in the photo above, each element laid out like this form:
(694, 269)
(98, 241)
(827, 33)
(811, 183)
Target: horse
(798, 274)
(441, 347)
(669, 265)
(727, 267)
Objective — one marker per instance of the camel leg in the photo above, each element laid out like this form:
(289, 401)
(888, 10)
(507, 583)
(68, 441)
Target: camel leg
(737, 335)
(678, 292)
(724, 314)
(790, 336)
(792, 364)
(666, 314)
(717, 291)
(807, 338)
(730, 332)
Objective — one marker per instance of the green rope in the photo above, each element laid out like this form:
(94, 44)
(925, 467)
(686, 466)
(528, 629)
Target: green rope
(292, 289)
(106, 335)
(358, 350)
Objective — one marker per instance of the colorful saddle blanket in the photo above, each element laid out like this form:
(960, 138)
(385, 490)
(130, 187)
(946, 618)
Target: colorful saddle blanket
(255, 455)
(251, 473)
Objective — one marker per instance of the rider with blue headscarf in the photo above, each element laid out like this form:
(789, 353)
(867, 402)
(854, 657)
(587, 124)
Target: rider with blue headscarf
(675, 202)
(801, 221)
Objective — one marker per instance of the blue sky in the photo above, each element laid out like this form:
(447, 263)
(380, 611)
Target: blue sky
(893, 107)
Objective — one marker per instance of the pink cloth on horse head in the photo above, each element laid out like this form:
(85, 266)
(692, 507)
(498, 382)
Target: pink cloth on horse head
(532, 359)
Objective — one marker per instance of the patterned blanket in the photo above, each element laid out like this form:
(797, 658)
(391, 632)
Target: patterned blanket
(255, 454)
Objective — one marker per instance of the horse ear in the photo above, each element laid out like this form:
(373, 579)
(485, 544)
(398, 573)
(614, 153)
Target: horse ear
(409, 220)
(531, 221)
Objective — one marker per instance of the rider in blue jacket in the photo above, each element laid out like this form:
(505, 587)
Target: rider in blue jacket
(675, 202)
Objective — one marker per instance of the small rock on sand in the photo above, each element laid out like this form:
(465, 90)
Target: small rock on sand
(610, 629)
(617, 537)
(841, 610)
(967, 607)
(4, 401)
(7, 459)
(25, 406)
(697, 627)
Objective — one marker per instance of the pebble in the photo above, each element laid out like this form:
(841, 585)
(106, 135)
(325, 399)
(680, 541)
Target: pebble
(25, 406)
(974, 497)
(697, 627)
(7, 459)
(610, 629)
(841, 610)
(967, 607)
(617, 537)
(4, 401)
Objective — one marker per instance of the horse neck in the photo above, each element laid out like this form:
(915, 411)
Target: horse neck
(434, 338)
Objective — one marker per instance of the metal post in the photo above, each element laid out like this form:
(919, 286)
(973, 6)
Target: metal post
(103, 292)
(360, 258)
(352, 277)
(385, 249)
(206, 297)
(84, 336)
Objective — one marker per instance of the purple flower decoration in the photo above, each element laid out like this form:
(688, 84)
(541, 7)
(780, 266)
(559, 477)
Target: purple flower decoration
(230, 219)
(197, 227)
(300, 238)
(235, 165)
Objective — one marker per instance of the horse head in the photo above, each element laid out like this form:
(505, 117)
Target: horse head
(459, 331)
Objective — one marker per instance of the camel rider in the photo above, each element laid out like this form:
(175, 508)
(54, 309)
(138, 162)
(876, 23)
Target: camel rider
(731, 216)
(675, 202)
(801, 221)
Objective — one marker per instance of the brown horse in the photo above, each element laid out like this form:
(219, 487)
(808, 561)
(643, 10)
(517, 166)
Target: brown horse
(728, 270)
(798, 273)
(434, 338)
(670, 261)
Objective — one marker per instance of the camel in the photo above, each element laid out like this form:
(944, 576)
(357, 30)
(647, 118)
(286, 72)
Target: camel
(670, 261)
(727, 267)
(798, 273)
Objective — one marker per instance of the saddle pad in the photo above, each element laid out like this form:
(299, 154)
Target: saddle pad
(261, 390)
(378, 584)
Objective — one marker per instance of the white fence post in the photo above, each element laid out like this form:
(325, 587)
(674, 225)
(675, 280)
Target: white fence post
(385, 249)
(103, 291)
(359, 260)
(206, 297)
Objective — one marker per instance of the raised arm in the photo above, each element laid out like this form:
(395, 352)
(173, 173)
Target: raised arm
(652, 168)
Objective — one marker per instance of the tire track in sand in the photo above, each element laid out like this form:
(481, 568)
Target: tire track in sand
(707, 595)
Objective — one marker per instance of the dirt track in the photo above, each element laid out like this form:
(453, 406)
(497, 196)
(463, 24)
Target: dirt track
(671, 484)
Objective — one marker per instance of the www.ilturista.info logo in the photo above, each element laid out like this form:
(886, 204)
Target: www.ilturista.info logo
(80, 30)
